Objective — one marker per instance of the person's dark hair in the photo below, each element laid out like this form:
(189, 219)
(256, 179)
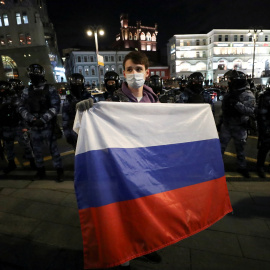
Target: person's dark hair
(137, 58)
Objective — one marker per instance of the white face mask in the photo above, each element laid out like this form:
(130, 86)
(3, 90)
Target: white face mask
(135, 80)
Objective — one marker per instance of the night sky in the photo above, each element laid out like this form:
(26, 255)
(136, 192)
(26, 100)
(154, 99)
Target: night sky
(71, 18)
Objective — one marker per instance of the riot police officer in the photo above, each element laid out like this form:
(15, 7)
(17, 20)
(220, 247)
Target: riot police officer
(17, 86)
(263, 121)
(39, 106)
(238, 106)
(112, 83)
(12, 127)
(194, 92)
(74, 94)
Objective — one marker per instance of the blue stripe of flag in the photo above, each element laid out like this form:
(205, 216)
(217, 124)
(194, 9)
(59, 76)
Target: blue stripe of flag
(112, 175)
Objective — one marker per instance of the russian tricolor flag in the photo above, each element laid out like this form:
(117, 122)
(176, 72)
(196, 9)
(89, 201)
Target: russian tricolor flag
(146, 176)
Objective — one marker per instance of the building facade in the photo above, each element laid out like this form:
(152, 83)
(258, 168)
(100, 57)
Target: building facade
(85, 63)
(27, 36)
(214, 53)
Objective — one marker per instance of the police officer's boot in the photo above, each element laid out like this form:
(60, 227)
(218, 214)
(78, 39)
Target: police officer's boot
(41, 173)
(32, 163)
(60, 175)
(10, 167)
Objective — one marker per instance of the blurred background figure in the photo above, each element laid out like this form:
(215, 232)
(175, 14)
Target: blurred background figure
(12, 126)
(75, 93)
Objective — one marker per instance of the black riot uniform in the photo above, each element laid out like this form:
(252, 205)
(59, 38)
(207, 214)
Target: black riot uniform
(39, 106)
(263, 121)
(238, 106)
(13, 127)
(194, 92)
(74, 94)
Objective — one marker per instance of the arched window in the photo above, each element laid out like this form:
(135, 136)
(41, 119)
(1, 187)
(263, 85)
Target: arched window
(107, 68)
(185, 67)
(200, 66)
(10, 67)
(237, 64)
(154, 38)
(79, 59)
(130, 36)
(113, 68)
(148, 36)
(142, 36)
(135, 37)
(222, 64)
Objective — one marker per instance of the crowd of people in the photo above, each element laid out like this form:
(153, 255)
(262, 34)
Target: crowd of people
(29, 114)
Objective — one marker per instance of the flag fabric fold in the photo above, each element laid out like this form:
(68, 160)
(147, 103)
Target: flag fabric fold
(146, 176)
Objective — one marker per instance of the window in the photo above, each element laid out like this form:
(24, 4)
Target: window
(152, 73)
(158, 73)
(197, 54)
(226, 38)
(85, 59)
(79, 59)
(91, 58)
(188, 43)
(106, 59)
(148, 36)
(9, 40)
(154, 38)
(80, 70)
(2, 41)
(250, 38)
(235, 38)
(197, 42)
(148, 47)
(162, 73)
(120, 70)
(241, 38)
(112, 58)
(266, 38)
(86, 71)
(93, 71)
(22, 39)
(210, 40)
(130, 36)
(142, 36)
(119, 58)
(219, 37)
(135, 37)
(204, 42)
(18, 18)
(101, 71)
(204, 54)
(25, 18)
(5, 18)
(28, 39)
(113, 68)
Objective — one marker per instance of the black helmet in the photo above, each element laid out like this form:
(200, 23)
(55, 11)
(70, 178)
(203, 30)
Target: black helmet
(111, 76)
(76, 79)
(156, 83)
(36, 69)
(36, 73)
(196, 77)
(16, 84)
(236, 79)
(4, 87)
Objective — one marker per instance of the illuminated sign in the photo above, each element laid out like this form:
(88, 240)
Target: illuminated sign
(238, 45)
(185, 49)
(223, 45)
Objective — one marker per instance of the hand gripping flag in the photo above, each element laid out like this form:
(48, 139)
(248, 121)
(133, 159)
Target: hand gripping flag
(146, 176)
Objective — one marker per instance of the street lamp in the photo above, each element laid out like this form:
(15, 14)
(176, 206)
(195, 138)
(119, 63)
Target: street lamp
(255, 34)
(96, 30)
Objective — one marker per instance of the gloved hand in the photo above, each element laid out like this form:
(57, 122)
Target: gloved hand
(84, 105)
(38, 123)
